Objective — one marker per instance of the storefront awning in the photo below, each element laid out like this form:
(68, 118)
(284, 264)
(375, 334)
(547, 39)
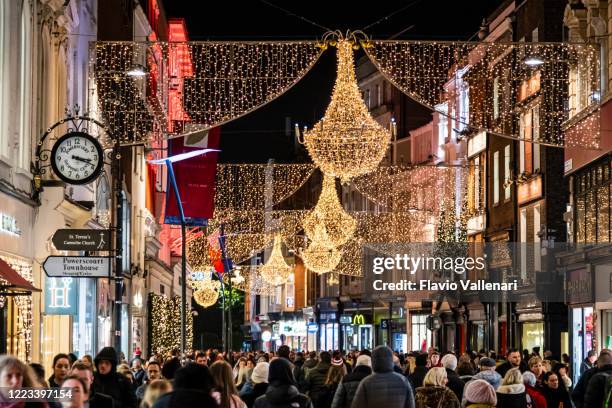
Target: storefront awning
(14, 281)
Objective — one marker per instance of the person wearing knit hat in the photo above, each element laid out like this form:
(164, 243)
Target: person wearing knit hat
(364, 360)
(345, 393)
(488, 373)
(479, 393)
(259, 378)
(282, 390)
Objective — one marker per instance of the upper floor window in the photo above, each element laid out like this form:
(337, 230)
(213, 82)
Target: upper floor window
(529, 131)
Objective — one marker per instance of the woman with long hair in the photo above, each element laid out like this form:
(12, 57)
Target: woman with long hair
(556, 394)
(241, 372)
(511, 393)
(14, 375)
(434, 392)
(223, 379)
(79, 392)
(334, 375)
(61, 366)
(154, 390)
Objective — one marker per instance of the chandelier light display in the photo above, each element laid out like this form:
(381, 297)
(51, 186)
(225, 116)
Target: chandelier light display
(206, 290)
(347, 142)
(338, 224)
(320, 257)
(276, 271)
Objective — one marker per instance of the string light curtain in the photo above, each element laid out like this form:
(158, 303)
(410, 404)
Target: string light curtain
(221, 81)
(347, 142)
(165, 324)
(500, 76)
(242, 187)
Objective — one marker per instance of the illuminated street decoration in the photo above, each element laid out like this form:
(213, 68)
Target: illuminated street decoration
(347, 142)
(275, 270)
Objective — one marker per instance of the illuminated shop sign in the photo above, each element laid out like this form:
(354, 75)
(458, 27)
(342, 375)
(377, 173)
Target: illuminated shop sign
(61, 296)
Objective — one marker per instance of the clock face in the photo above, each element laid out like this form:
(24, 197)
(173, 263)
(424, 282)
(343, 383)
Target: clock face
(77, 158)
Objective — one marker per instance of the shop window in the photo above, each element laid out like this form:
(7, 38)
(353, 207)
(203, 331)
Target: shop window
(529, 153)
(507, 175)
(532, 335)
(592, 217)
(495, 177)
(419, 335)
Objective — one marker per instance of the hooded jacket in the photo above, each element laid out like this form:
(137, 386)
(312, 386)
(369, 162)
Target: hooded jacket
(282, 391)
(596, 388)
(489, 376)
(192, 386)
(511, 396)
(455, 383)
(434, 396)
(315, 380)
(417, 376)
(113, 384)
(384, 388)
(345, 393)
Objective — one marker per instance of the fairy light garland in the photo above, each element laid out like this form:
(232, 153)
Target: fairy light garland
(435, 72)
(226, 80)
(347, 142)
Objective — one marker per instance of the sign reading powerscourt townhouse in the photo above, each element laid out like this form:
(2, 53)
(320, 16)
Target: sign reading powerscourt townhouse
(77, 266)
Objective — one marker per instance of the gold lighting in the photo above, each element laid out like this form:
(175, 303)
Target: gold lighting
(276, 271)
(208, 295)
(319, 257)
(347, 142)
(338, 224)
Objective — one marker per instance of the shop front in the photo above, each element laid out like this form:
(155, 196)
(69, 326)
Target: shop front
(329, 331)
(421, 338)
(358, 331)
(293, 333)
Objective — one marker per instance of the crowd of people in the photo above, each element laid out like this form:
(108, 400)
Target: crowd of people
(285, 378)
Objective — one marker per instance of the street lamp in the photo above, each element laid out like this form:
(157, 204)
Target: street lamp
(168, 162)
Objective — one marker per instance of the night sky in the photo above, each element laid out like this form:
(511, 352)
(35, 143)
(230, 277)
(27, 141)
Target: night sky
(261, 134)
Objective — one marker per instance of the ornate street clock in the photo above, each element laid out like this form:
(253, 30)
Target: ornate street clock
(77, 158)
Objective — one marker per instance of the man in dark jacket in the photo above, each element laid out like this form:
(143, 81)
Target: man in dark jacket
(108, 381)
(589, 361)
(384, 388)
(579, 392)
(315, 379)
(85, 372)
(282, 390)
(513, 360)
(345, 393)
(595, 395)
(420, 370)
(449, 362)
(192, 386)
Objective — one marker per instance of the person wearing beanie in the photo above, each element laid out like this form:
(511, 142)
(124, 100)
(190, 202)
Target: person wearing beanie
(314, 383)
(108, 381)
(282, 389)
(449, 362)
(259, 378)
(192, 388)
(479, 394)
(488, 373)
(420, 370)
(434, 392)
(384, 388)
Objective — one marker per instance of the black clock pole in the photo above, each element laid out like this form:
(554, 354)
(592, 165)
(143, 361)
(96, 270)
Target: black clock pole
(117, 188)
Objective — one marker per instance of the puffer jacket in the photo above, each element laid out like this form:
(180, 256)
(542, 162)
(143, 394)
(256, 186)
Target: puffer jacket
(345, 393)
(434, 397)
(491, 377)
(384, 388)
(282, 395)
(315, 380)
(511, 396)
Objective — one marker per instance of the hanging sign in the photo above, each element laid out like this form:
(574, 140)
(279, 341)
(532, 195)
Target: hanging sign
(61, 296)
(82, 240)
(77, 266)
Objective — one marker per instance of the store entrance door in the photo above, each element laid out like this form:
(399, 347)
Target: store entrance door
(365, 337)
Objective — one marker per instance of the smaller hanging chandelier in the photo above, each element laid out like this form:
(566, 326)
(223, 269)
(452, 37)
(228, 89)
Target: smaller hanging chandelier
(319, 257)
(275, 270)
(206, 290)
(338, 224)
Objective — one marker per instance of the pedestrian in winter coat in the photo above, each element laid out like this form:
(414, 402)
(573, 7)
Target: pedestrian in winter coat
(384, 388)
(223, 380)
(537, 368)
(556, 395)
(535, 394)
(85, 372)
(434, 392)
(511, 393)
(282, 389)
(420, 370)
(154, 391)
(596, 389)
(16, 375)
(488, 373)
(336, 372)
(479, 394)
(579, 390)
(589, 361)
(315, 379)
(193, 385)
(449, 362)
(61, 367)
(109, 382)
(259, 379)
(348, 386)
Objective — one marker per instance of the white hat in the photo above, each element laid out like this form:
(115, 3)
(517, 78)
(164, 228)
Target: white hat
(364, 360)
(260, 373)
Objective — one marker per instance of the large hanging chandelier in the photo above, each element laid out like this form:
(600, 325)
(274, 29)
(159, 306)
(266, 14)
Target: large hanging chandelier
(276, 271)
(319, 256)
(338, 224)
(206, 290)
(347, 142)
